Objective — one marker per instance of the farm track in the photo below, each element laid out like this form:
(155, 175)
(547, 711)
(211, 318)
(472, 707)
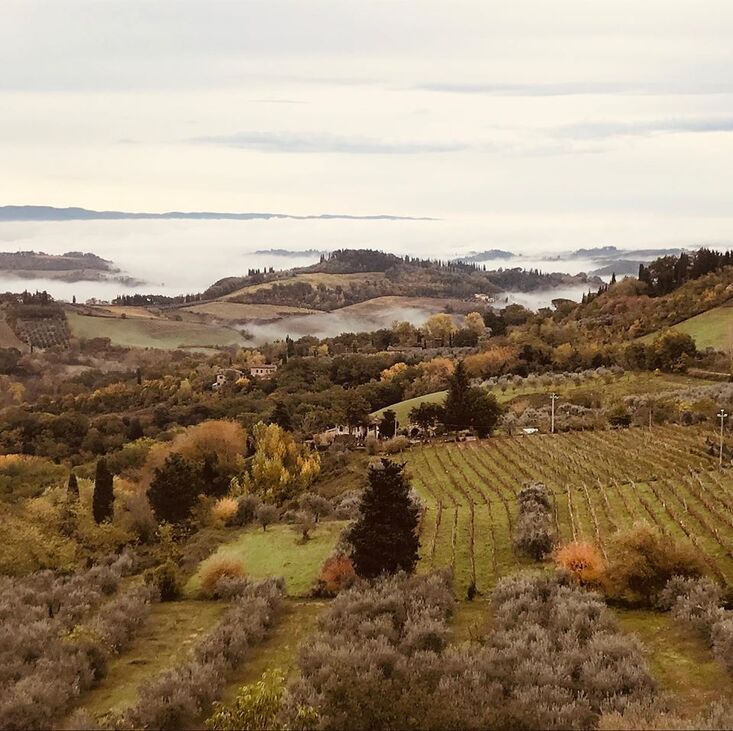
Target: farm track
(599, 482)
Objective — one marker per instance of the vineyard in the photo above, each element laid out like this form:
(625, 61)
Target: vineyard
(599, 482)
(43, 332)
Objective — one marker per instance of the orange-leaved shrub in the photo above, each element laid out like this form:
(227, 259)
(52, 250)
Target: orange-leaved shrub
(217, 569)
(581, 560)
(337, 574)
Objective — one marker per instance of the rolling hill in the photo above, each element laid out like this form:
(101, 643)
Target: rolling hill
(710, 329)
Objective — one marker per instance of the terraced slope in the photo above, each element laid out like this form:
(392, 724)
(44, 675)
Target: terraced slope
(600, 482)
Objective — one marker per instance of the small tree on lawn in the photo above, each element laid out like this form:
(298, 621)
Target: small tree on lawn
(384, 536)
(316, 505)
(266, 515)
(103, 497)
(304, 524)
(427, 415)
(485, 411)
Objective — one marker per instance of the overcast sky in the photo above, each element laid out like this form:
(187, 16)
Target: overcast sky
(573, 112)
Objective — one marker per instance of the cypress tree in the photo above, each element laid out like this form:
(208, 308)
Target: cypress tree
(103, 498)
(72, 488)
(281, 416)
(384, 538)
(457, 405)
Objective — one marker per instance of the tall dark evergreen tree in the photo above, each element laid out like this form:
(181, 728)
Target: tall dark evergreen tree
(103, 498)
(457, 402)
(485, 411)
(281, 416)
(388, 424)
(72, 487)
(384, 537)
(174, 489)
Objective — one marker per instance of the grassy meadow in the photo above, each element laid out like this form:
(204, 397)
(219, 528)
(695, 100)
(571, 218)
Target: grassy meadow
(139, 332)
(278, 551)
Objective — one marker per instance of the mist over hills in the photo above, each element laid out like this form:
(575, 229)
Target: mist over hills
(51, 213)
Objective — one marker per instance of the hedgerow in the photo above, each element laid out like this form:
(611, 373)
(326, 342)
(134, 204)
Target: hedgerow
(555, 659)
(177, 697)
(534, 533)
(696, 603)
(56, 636)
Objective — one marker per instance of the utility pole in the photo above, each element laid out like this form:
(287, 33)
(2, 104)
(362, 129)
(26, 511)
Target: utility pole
(553, 397)
(722, 416)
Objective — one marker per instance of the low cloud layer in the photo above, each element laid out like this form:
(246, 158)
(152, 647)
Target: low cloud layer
(471, 112)
(602, 130)
(328, 143)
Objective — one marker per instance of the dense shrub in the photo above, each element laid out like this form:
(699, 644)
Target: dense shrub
(581, 560)
(336, 575)
(346, 505)
(247, 506)
(534, 533)
(696, 603)
(225, 510)
(396, 445)
(641, 562)
(361, 669)
(658, 717)
(255, 707)
(43, 665)
(555, 659)
(166, 578)
(215, 570)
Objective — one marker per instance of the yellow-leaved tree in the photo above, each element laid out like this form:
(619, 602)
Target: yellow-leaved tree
(281, 468)
(475, 323)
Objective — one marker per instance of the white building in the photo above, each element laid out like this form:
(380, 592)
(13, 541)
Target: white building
(226, 375)
(266, 370)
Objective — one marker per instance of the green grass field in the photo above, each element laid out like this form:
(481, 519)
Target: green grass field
(278, 551)
(152, 333)
(711, 329)
(403, 408)
(608, 390)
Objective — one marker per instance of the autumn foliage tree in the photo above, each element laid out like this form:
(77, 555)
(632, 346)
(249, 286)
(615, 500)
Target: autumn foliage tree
(384, 537)
(281, 468)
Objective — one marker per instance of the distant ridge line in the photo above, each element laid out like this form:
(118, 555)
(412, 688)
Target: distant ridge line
(51, 213)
